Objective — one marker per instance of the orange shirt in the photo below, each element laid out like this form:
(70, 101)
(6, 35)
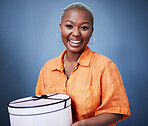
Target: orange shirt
(95, 86)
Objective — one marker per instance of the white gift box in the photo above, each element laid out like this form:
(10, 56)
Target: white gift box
(45, 110)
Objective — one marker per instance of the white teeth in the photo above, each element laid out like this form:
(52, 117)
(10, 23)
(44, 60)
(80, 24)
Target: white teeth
(75, 41)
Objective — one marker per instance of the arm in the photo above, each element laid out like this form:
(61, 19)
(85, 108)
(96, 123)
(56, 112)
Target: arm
(40, 84)
(99, 120)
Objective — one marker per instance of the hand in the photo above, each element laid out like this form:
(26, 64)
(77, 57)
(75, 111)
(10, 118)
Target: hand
(99, 120)
(79, 123)
(75, 124)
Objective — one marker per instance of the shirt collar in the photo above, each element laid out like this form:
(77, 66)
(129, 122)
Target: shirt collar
(59, 62)
(84, 59)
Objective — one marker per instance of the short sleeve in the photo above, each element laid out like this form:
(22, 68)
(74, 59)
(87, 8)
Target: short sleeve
(114, 98)
(40, 84)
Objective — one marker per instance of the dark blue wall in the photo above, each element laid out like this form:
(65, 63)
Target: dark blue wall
(28, 30)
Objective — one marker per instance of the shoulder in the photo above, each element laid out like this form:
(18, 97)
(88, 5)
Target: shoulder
(102, 63)
(55, 63)
(99, 59)
(50, 64)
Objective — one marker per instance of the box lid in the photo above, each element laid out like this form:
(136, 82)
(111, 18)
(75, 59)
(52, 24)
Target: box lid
(39, 104)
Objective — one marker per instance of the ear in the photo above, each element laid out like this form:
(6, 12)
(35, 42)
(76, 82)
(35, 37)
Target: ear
(92, 31)
(60, 27)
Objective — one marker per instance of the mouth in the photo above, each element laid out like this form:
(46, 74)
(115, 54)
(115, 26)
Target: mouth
(75, 41)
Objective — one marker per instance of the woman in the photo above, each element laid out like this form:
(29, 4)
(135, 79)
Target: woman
(91, 79)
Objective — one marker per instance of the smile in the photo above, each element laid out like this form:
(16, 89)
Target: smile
(75, 42)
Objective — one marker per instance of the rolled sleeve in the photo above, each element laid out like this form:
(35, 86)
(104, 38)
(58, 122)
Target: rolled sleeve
(114, 98)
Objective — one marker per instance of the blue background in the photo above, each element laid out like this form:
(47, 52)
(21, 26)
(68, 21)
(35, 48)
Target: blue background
(28, 30)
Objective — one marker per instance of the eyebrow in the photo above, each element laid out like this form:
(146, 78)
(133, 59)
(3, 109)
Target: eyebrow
(73, 22)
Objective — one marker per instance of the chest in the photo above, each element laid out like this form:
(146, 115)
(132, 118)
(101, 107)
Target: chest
(83, 86)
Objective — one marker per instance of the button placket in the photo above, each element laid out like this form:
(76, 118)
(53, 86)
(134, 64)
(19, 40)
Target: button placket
(66, 85)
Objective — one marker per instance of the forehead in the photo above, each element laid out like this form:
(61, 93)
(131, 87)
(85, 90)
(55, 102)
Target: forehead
(75, 14)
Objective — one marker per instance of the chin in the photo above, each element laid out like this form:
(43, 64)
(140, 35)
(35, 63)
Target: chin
(76, 50)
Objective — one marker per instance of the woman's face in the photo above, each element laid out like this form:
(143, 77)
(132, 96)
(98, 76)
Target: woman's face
(76, 30)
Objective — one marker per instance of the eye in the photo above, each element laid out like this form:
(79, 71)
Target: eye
(69, 26)
(84, 27)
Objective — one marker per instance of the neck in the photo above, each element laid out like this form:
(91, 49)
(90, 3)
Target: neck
(72, 57)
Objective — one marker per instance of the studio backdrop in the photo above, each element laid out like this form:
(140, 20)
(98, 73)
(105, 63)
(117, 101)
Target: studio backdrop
(28, 30)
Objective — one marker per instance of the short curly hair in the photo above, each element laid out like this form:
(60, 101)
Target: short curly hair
(77, 5)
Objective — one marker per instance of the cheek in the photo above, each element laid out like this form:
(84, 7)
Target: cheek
(64, 35)
(65, 32)
(87, 36)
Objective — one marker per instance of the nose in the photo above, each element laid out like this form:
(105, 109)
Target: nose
(76, 32)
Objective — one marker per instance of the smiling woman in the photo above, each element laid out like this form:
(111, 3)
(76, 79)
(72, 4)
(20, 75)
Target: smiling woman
(76, 30)
(91, 79)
